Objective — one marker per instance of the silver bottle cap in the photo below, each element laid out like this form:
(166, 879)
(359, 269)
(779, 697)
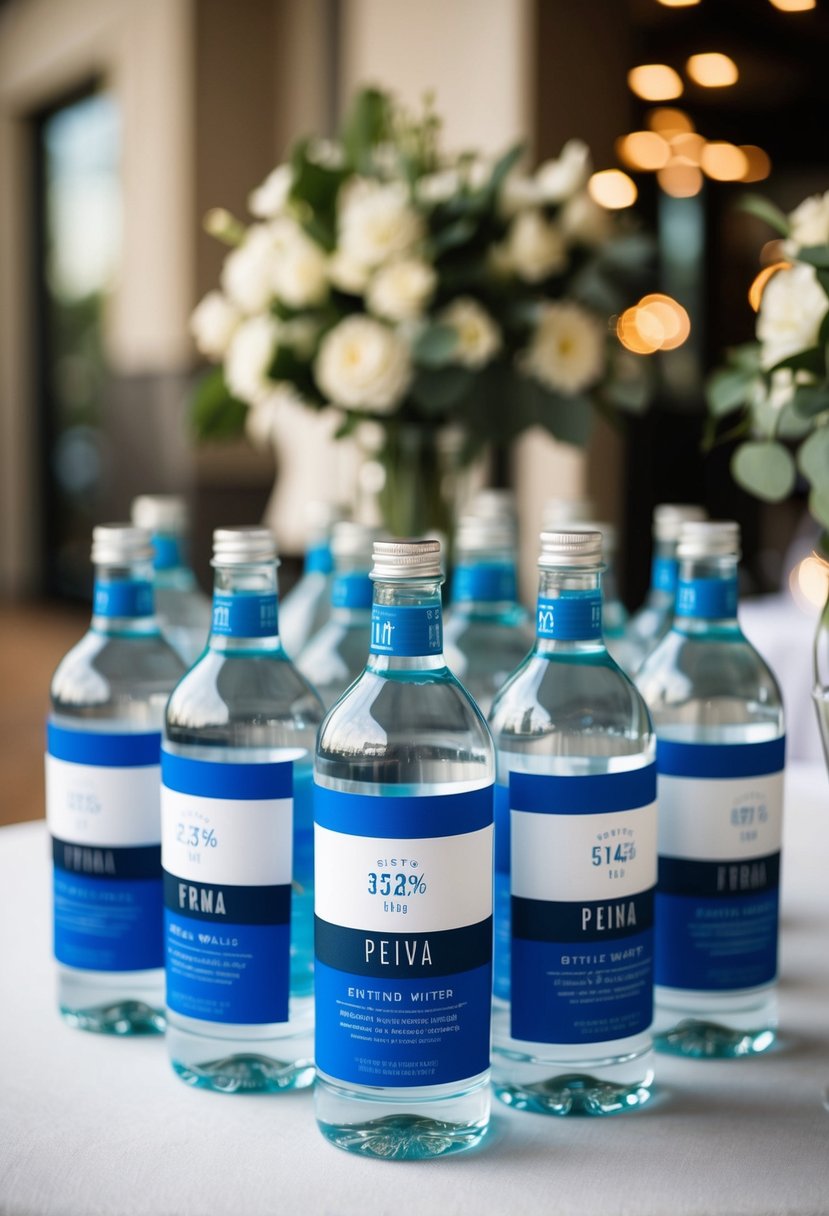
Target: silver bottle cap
(243, 546)
(480, 534)
(493, 504)
(160, 512)
(120, 545)
(566, 512)
(394, 559)
(350, 540)
(568, 549)
(709, 538)
(668, 518)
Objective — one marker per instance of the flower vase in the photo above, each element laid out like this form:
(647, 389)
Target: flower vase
(820, 686)
(424, 478)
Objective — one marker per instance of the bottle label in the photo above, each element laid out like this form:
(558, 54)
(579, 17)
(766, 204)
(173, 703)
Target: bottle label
(102, 807)
(352, 591)
(664, 574)
(122, 598)
(720, 831)
(403, 972)
(318, 559)
(485, 582)
(168, 552)
(227, 841)
(408, 631)
(707, 598)
(574, 617)
(245, 616)
(583, 878)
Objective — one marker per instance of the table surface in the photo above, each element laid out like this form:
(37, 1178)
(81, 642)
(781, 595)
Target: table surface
(93, 1125)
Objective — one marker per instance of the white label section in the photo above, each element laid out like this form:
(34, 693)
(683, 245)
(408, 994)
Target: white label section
(583, 857)
(720, 818)
(247, 843)
(422, 885)
(103, 806)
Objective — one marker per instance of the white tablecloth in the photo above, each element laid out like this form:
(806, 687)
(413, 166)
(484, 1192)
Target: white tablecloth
(93, 1125)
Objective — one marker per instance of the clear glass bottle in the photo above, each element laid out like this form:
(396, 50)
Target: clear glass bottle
(102, 797)
(486, 634)
(718, 717)
(307, 606)
(183, 611)
(403, 811)
(335, 656)
(820, 659)
(648, 626)
(237, 841)
(575, 860)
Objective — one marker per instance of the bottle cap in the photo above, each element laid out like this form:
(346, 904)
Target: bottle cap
(668, 518)
(160, 512)
(493, 504)
(243, 546)
(353, 540)
(479, 533)
(393, 559)
(564, 512)
(120, 545)
(562, 549)
(709, 538)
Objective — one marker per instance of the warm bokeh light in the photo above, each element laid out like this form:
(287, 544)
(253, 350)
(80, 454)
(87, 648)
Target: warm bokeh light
(794, 6)
(613, 189)
(655, 82)
(667, 121)
(680, 179)
(724, 162)
(759, 164)
(644, 341)
(809, 582)
(643, 150)
(678, 3)
(755, 291)
(657, 322)
(712, 70)
(688, 146)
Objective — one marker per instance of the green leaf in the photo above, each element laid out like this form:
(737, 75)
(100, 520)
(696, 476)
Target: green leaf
(366, 126)
(747, 356)
(815, 255)
(728, 389)
(458, 233)
(214, 412)
(630, 254)
(812, 360)
(435, 345)
(811, 399)
(437, 390)
(764, 468)
(763, 209)
(813, 459)
(502, 167)
(819, 506)
(822, 277)
(790, 424)
(569, 419)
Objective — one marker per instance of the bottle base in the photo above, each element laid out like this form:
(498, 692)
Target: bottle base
(246, 1074)
(106, 1002)
(722, 1027)
(239, 1059)
(700, 1039)
(118, 1018)
(573, 1094)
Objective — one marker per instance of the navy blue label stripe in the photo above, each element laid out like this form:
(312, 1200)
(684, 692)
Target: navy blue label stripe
(712, 879)
(674, 759)
(99, 861)
(103, 748)
(600, 920)
(223, 903)
(403, 955)
(352, 591)
(588, 794)
(403, 818)
(218, 779)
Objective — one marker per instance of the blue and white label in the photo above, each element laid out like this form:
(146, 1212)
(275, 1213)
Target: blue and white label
(352, 591)
(484, 583)
(403, 949)
(574, 617)
(102, 808)
(245, 615)
(583, 870)
(318, 559)
(167, 551)
(407, 631)
(227, 841)
(122, 598)
(720, 832)
(710, 599)
(665, 574)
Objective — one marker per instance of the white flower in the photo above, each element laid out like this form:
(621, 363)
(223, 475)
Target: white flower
(793, 306)
(376, 222)
(567, 351)
(400, 290)
(558, 180)
(584, 222)
(518, 192)
(327, 153)
(263, 417)
(363, 364)
(271, 198)
(249, 356)
(810, 222)
(438, 187)
(348, 275)
(536, 247)
(299, 267)
(247, 270)
(213, 324)
(479, 338)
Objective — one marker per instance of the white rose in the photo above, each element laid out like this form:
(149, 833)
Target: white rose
(363, 364)
(299, 267)
(810, 221)
(327, 153)
(567, 351)
(249, 356)
(793, 307)
(213, 324)
(400, 290)
(536, 247)
(348, 275)
(271, 198)
(584, 222)
(246, 273)
(263, 417)
(517, 193)
(438, 187)
(376, 222)
(479, 338)
(558, 179)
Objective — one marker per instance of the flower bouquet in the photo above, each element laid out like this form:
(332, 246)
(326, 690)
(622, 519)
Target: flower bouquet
(437, 303)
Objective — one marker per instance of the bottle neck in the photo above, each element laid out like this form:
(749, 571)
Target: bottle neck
(245, 608)
(664, 572)
(484, 582)
(706, 595)
(318, 559)
(122, 600)
(569, 611)
(406, 626)
(352, 593)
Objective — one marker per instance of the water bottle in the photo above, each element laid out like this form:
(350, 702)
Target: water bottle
(307, 606)
(183, 611)
(102, 797)
(403, 812)
(335, 656)
(720, 747)
(648, 626)
(486, 634)
(575, 860)
(237, 841)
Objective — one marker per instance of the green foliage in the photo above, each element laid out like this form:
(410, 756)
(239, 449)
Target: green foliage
(763, 209)
(215, 413)
(764, 468)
